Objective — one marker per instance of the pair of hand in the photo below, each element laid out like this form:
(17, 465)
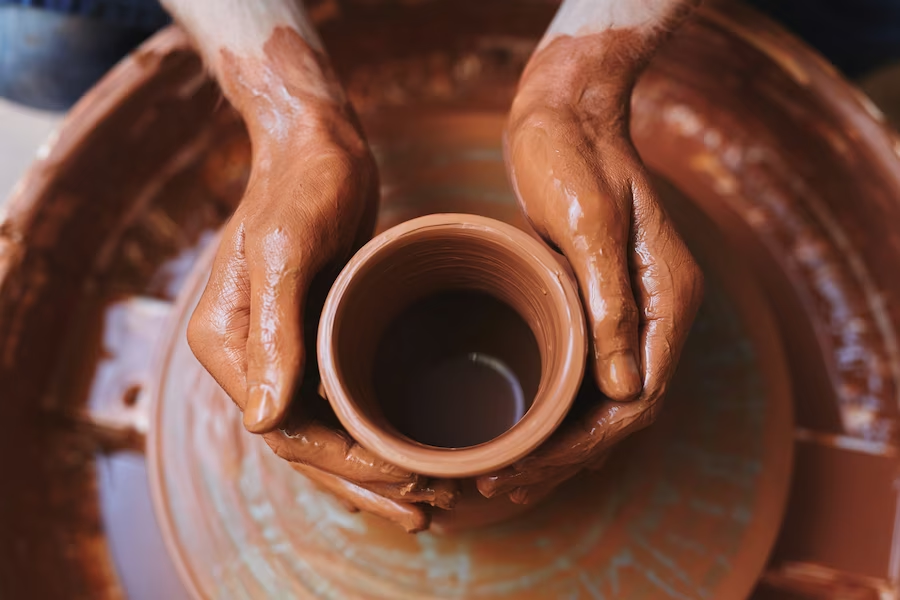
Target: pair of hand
(312, 201)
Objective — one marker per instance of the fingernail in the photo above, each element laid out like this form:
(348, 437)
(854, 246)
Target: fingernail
(260, 415)
(624, 377)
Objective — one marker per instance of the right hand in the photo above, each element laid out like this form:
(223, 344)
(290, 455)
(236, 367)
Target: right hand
(310, 202)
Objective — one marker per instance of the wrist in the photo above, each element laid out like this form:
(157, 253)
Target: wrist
(288, 94)
(590, 75)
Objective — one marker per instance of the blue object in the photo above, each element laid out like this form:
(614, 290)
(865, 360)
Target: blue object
(50, 56)
(148, 15)
(51, 51)
(856, 35)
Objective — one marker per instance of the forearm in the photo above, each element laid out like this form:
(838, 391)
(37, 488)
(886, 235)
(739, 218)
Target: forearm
(647, 20)
(594, 50)
(268, 61)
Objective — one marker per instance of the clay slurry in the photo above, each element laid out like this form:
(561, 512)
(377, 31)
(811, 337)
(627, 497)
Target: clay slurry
(456, 369)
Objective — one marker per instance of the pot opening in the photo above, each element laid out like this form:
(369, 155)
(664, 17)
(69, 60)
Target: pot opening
(456, 369)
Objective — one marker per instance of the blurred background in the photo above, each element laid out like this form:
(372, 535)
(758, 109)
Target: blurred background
(52, 51)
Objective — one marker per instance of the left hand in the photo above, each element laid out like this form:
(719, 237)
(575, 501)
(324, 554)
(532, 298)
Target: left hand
(584, 189)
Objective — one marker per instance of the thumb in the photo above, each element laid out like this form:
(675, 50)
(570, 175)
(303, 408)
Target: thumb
(601, 268)
(275, 351)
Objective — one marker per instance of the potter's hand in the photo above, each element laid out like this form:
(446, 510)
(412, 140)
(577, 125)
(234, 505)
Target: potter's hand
(585, 190)
(309, 203)
(311, 200)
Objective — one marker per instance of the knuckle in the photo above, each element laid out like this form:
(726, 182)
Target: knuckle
(607, 354)
(627, 314)
(689, 281)
(619, 320)
(339, 164)
(281, 255)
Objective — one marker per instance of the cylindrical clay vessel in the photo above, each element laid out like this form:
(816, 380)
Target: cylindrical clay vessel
(452, 346)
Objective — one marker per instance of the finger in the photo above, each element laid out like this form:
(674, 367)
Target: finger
(535, 493)
(275, 351)
(410, 517)
(446, 493)
(569, 446)
(576, 444)
(335, 452)
(599, 258)
(442, 493)
(670, 290)
(218, 328)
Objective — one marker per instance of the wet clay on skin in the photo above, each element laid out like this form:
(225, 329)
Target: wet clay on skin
(310, 201)
(584, 189)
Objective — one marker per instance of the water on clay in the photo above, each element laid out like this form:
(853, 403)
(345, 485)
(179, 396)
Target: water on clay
(456, 369)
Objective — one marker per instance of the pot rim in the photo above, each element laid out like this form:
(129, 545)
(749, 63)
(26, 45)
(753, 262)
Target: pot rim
(542, 418)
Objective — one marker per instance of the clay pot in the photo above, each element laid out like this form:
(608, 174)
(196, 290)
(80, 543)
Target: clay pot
(452, 345)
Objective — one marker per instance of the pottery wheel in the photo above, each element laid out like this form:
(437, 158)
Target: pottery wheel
(794, 166)
(686, 509)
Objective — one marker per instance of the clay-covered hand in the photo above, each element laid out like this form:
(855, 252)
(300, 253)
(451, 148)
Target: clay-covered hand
(308, 206)
(310, 202)
(584, 189)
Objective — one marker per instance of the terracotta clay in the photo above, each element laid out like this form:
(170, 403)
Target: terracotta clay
(310, 199)
(584, 188)
(787, 158)
(422, 259)
(310, 202)
(365, 374)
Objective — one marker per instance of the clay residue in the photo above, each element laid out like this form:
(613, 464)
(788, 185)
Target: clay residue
(584, 188)
(310, 200)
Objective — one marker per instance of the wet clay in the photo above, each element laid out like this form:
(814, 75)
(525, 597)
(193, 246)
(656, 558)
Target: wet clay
(309, 202)
(584, 188)
(456, 369)
(761, 133)
(439, 289)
